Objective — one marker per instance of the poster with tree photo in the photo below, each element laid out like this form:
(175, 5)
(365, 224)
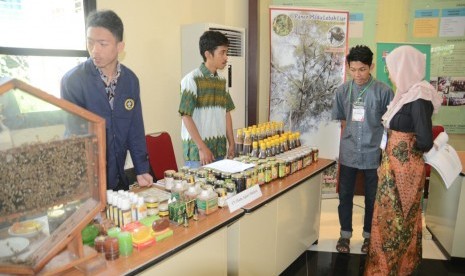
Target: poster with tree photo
(308, 49)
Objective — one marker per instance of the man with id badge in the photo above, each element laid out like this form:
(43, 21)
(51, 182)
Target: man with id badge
(359, 104)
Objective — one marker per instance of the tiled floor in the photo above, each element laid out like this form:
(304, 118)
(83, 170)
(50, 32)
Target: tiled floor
(322, 258)
(329, 230)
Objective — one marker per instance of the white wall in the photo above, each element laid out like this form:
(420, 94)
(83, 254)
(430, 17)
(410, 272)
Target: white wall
(153, 51)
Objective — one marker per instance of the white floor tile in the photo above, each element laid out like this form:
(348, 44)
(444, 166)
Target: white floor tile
(329, 230)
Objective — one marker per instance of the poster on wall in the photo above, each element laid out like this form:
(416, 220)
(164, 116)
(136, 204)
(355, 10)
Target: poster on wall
(383, 49)
(308, 49)
(443, 75)
(362, 16)
(442, 24)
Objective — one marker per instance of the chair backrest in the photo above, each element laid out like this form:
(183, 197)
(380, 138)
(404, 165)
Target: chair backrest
(161, 153)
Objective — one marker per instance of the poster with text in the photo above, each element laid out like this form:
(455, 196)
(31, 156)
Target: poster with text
(308, 49)
(445, 72)
(442, 24)
(362, 16)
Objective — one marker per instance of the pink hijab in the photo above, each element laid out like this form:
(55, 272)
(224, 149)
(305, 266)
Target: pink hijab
(407, 67)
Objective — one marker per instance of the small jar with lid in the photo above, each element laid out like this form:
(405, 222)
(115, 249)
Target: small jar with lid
(288, 165)
(315, 153)
(151, 202)
(163, 210)
(210, 172)
(226, 177)
(221, 192)
(178, 190)
(217, 174)
(238, 181)
(191, 193)
(185, 169)
(111, 247)
(294, 163)
(211, 180)
(207, 187)
(219, 184)
(99, 244)
(281, 168)
(253, 160)
(307, 157)
(190, 176)
(267, 173)
(274, 170)
(260, 174)
(247, 176)
(300, 159)
(178, 177)
(201, 175)
(169, 179)
(230, 190)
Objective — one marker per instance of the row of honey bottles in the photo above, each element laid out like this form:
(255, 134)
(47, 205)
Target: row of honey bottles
(265, 140)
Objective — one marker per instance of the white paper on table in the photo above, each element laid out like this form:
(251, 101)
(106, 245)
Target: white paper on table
(230, 166)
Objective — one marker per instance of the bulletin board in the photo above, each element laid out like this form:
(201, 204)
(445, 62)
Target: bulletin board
(442, 24)
(383, 49)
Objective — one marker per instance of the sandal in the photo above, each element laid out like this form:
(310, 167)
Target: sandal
(365, 245)
(343, 245)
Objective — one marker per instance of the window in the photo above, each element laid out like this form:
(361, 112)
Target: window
(41, 40)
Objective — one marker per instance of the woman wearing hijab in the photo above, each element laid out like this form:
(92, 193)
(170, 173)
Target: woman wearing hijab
(395, 247)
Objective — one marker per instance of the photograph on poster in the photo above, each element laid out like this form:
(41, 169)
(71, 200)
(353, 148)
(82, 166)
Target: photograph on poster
(452, 90)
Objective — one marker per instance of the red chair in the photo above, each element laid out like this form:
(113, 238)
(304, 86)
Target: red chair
(161, 153)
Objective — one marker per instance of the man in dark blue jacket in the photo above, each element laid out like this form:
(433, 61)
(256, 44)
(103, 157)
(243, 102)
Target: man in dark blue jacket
(111, 90)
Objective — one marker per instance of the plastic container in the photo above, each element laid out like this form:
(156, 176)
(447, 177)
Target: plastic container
(89, 233)
(207, 202)
(178, 190)
(111, 248)
(126, 212)
(141, 208)
(125, 243)
(151, 203)
(315, 153)
(99, 244)
(191, 193)
(163, 210)
(169, 179)
(239, 182)
(113, 232)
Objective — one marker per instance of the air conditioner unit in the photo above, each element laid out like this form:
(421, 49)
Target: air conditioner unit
(234, 72)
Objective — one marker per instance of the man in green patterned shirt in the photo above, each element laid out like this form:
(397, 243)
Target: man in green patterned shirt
(206, 104)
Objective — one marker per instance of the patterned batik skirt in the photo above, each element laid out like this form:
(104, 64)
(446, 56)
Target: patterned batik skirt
(395, 246)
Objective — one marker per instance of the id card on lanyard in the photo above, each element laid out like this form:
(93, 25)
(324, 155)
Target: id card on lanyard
(358, 108)
(358, 112)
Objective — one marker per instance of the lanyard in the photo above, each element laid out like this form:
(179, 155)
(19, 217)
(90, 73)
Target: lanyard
(361, 92)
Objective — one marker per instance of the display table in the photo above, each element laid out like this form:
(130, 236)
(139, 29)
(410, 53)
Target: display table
(278, 227)
(445, 213)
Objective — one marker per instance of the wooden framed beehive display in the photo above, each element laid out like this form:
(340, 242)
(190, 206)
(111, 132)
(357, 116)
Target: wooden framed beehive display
(52, 176)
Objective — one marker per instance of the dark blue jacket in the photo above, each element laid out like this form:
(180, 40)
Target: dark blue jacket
(124, 125)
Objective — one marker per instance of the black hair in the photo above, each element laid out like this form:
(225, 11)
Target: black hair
(107, 19)
(210, 40)
(360, 53)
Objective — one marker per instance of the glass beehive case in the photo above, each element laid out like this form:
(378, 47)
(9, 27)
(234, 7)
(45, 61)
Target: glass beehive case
(52, 176)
